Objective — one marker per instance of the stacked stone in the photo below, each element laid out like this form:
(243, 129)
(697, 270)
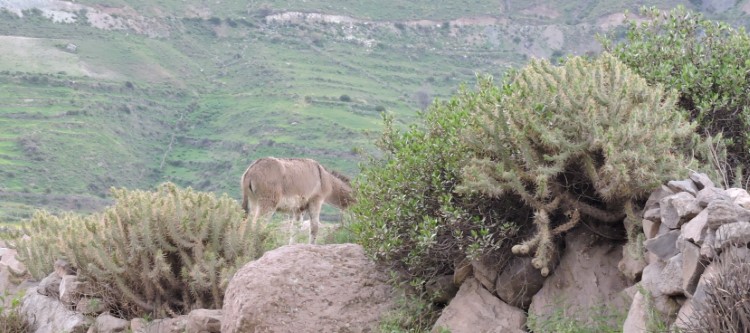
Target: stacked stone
(687, 225)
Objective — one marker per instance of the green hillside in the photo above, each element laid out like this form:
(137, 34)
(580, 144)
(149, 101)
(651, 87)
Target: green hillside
(133, 93)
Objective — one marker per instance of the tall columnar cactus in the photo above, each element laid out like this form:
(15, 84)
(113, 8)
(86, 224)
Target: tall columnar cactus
(581, 140)
(162, 253)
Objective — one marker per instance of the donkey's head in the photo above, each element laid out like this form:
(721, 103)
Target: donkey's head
(342, 195)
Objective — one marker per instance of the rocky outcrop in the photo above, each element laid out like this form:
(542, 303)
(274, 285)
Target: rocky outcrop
(307, 288)
(686, 230)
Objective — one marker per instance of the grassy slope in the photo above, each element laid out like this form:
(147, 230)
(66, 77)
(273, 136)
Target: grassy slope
(196, 108)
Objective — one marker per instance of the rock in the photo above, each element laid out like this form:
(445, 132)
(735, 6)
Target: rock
(664, 246)
(50, 286)
(586, 277)
(8, 259)
(684, 316)
(708, 194)
(707, 249)
(695, 229)
(519, 282)
(722, 212)
(168, 325)
(650, 228)
(485, 275)
(308, 288)
(739, 196)
(678, 208)
(106, 323)
(664, 278)
(441, 289)
(686, 185)
(204, 321)
(693, 265)
(656, 196)
(737, 234)
(90, 306)
(70, 289)
(63, 268)
(637, 319)
(462, 271)
(474, 309)
(48, 315)
(701, 180)
(631, 265)
(653, 214)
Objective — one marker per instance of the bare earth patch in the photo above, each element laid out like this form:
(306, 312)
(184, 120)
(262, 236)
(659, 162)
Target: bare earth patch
(542, 10)
(40, 54)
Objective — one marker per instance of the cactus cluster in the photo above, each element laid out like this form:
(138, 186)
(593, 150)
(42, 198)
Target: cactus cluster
(160, 253)
(577, 141)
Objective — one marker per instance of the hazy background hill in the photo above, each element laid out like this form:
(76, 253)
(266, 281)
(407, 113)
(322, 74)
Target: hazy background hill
(132, 93)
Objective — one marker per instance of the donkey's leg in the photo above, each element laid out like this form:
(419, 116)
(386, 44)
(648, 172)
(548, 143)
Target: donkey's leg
(314, 212)
(292, 225)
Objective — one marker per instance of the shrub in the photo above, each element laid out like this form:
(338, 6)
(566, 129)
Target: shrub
(408, 213)
(707, 63)
(159, 253)
(345, 98)
(583, 139)
(726, 305)
(11, 319)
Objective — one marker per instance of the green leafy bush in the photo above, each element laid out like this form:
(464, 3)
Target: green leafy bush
(159, 253)
(708, 63)
(578, 141)
(11, 319)
(408, 212)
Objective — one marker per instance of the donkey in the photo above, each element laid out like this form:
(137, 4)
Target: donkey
(292, 185)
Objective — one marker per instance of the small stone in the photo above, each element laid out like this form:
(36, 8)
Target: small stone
(701, 180)
(664, 246)
(693, 265)
(670, 280)
(462, 271)
(678, 208)
(518, 282)
(653, 214)
(485, 275)
(721, 212)
(650, 228)
(695, 229)
(739, 196)
(686, 185)
(656, 196)
(737, 234)
(708, 194)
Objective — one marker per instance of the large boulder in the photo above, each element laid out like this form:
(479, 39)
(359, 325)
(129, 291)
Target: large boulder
(586, 278)
(307, 288)
(474, 309)
(49, 315)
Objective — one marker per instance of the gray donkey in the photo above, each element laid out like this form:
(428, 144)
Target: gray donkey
(293, 185)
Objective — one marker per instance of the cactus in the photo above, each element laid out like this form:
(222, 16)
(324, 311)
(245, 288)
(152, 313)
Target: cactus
(579, 141)
(161, 253)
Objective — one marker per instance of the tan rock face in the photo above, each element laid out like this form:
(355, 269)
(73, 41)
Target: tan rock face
(474, 309)
(586, 277)
(307, 288)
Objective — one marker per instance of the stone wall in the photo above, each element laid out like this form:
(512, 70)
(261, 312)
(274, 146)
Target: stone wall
(688, 225)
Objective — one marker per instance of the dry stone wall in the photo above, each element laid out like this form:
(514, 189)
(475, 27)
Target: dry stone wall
(688, 224)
